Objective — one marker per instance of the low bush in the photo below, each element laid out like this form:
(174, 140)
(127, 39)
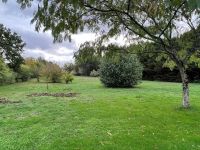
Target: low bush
(68, 77)
(120, 70)
(6, 75)
(10, 77)
(94, 73)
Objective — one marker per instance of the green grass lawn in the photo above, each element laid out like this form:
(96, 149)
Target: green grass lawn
(145, 117)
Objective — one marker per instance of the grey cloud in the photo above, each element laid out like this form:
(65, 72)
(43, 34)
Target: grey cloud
(19, 21)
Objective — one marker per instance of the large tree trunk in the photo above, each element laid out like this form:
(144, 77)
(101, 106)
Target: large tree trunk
(185, 82)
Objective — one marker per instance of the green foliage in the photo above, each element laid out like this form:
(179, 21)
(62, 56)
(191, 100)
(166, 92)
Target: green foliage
(52, 72)
(24, 73)
(69, 67)
(35, 67)
(123, 70)
(87, 58)
(68, 77)
(116, 15)
(6, 75)
(194, 4)
(11, 47)
(94, 73)
(159, 66)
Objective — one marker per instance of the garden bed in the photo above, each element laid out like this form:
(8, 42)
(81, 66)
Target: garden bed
(53, 94)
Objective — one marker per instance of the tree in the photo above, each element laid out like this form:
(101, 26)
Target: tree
(11, 47)
(157, 21)
(159, 67)
(52, 72)
(87, 58)
(24, 73)
(35, 67)
(69, 67)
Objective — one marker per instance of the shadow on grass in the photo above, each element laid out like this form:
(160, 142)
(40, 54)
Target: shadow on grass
(120, 88)
(189, 109)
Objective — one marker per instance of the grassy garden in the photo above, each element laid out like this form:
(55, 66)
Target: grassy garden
(146, 117)
(86, 93)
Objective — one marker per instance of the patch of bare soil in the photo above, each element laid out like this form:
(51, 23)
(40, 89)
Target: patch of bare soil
(53, 94)
(7, 101)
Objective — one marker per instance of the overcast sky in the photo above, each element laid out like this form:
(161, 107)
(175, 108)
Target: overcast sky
(41, 44)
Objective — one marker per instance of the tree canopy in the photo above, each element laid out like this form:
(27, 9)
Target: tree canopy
(11, 47)
(87, 58)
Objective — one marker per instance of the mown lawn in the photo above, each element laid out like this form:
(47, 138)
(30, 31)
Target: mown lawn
(146, 117)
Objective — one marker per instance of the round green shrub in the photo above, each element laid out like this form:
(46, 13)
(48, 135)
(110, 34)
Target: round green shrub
(120, 70)
(68, 77)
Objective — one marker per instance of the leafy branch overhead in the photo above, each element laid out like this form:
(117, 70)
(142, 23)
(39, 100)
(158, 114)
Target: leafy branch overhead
(153, 20)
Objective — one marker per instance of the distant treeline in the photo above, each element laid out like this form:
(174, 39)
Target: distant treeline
(159, 73)
(155, 66)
